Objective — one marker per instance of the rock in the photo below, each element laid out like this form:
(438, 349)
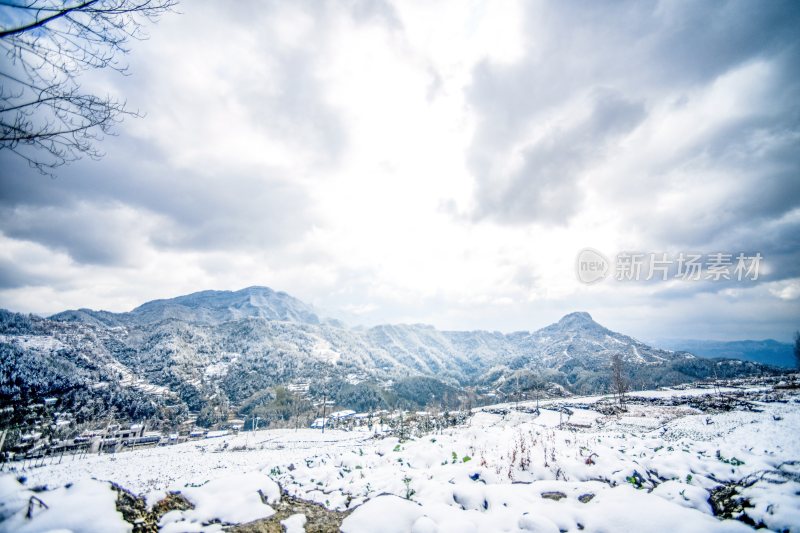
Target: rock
(553, 495)
(585, 498)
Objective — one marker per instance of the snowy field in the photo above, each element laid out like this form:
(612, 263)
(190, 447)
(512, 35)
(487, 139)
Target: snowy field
(576, 465)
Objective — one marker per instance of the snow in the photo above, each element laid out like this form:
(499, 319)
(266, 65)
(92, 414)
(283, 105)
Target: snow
(218, 369)
(86, 506)
(529, 522)
(618, 509)
(342, 414)
(232, 499)
(671, 393)
(155, 471)
(323, 351)
(395, 515)
(295, 523)
(685, 495)
(776, 504)
(35, 342)
(650, 469)
(636, 353)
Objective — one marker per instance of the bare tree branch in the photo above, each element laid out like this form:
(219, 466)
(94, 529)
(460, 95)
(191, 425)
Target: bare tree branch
(38, 23)
(45, 117)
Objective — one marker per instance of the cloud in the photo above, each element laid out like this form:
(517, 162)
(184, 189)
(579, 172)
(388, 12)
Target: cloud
(13, 275)
(25, 264)
(529, 153)
(787, 290)
(85, 232)
(544, 183)
(433, 162)
(101, 213)
(239, 121)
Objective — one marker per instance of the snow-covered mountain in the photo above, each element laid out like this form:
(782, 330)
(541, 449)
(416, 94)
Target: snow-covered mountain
(577, 336)
(231, 347)
(205, 307)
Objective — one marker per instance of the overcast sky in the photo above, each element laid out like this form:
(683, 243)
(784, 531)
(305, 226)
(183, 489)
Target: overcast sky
(436, 162)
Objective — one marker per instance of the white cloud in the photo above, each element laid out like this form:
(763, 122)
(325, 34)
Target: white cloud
(786, 290)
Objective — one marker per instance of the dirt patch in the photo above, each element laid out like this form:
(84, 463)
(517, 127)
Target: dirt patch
(134, 509)
(727, 503)
(318, 518)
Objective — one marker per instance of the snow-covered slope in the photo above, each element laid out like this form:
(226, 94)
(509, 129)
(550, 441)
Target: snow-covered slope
(79, 364)
(702, 460)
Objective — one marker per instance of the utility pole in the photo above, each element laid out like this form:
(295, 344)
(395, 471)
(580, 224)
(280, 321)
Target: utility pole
(295, 410)
(402, 429)
(324, 404)
(2, 442)
(108, 428)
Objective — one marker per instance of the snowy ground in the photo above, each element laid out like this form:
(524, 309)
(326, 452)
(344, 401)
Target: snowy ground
(650, 468)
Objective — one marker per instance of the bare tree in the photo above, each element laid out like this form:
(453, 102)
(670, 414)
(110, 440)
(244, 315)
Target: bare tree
(619, 383)
(45, 117)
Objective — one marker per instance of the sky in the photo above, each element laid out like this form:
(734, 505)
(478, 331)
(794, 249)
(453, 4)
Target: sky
(434, 162)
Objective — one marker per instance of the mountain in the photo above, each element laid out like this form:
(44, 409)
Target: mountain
(205, 307)
(221, 351)
(578, 336)
(767, 352)
(79, 365)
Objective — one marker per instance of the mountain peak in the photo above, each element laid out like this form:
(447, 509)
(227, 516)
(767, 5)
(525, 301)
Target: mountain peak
(220, 306)
(257, 289)
(577, 318)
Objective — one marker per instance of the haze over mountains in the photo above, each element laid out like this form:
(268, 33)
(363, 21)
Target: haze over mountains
(767, 351)
(230, 348)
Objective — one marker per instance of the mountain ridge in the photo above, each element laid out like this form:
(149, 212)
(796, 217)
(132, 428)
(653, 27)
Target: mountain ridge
(208, 306)
(229, 349)
(764, 351)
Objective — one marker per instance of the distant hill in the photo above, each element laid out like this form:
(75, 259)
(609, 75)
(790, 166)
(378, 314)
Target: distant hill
(766, 352)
